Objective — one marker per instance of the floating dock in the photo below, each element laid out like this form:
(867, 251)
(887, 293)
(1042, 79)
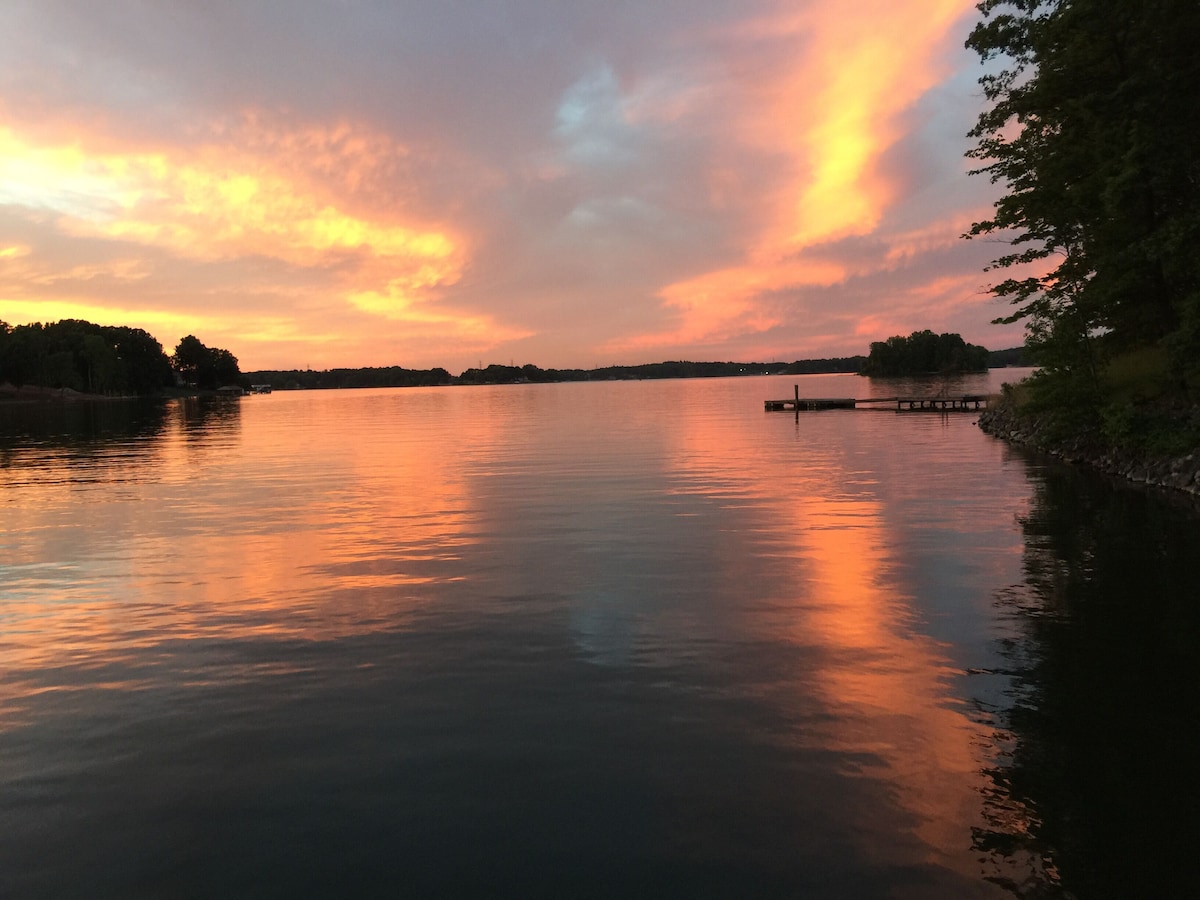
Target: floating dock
(940, 403)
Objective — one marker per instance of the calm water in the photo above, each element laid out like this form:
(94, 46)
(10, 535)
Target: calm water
(622, 639)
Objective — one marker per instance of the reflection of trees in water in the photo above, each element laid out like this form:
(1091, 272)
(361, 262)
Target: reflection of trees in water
(106, 432)
(1096, 771)
(80, 426)
(84, 441)
(209, 415)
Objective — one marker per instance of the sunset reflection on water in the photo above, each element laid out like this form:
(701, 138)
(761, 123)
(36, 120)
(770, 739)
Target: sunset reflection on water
(764, 602)
(204, 531)
(845, 588)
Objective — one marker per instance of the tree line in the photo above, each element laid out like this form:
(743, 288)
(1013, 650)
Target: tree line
(925, 353)
(1093, 129)
(122, 361)
(368, 377)
(500, 374)
(112, 360)
(922, 353)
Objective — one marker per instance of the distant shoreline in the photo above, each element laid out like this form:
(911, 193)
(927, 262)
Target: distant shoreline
(32, 393)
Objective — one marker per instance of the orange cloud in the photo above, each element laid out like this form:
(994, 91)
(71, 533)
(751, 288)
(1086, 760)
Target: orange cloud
(833, 114)
(938, 235)
(163, 323)
(729, 301)
(214, 208)
(254, 193)
(835, 111)
(930, 300)
(218, 203)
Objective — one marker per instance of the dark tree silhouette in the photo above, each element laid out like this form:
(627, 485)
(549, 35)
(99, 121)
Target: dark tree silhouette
(204, 367)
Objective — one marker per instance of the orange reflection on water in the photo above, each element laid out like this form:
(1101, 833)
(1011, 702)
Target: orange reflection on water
(887, 681)
(201, 533)
(340, 535)
(844, 594)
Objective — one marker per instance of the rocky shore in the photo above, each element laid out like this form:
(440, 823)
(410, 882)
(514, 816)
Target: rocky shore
(29, 393)
(1179, 473)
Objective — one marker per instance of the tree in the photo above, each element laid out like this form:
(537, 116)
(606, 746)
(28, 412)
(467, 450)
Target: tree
(924, 353)
(204, 367)
(190, 359)
(1094, 129)
(145, 368)
(101, 364)
(5, 335)
(225, 366)
(84, 356)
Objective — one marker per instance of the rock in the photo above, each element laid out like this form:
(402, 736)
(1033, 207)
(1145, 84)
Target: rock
(1178, 473)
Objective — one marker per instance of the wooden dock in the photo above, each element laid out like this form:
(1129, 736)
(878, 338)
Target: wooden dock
(939, 403)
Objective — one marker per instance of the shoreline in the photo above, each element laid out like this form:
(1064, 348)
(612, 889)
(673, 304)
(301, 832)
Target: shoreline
(29, 394)
(1177, 474)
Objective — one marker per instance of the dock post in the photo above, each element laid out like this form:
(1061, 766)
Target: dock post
(796, 388)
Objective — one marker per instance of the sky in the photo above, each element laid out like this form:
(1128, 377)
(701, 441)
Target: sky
(567, 183)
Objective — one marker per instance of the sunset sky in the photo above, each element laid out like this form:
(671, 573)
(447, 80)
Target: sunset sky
(320, 183)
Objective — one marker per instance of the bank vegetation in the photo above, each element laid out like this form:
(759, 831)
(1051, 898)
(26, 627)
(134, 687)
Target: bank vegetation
(1093, 129)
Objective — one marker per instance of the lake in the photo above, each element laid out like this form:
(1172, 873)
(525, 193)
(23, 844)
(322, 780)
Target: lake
(622, 639)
